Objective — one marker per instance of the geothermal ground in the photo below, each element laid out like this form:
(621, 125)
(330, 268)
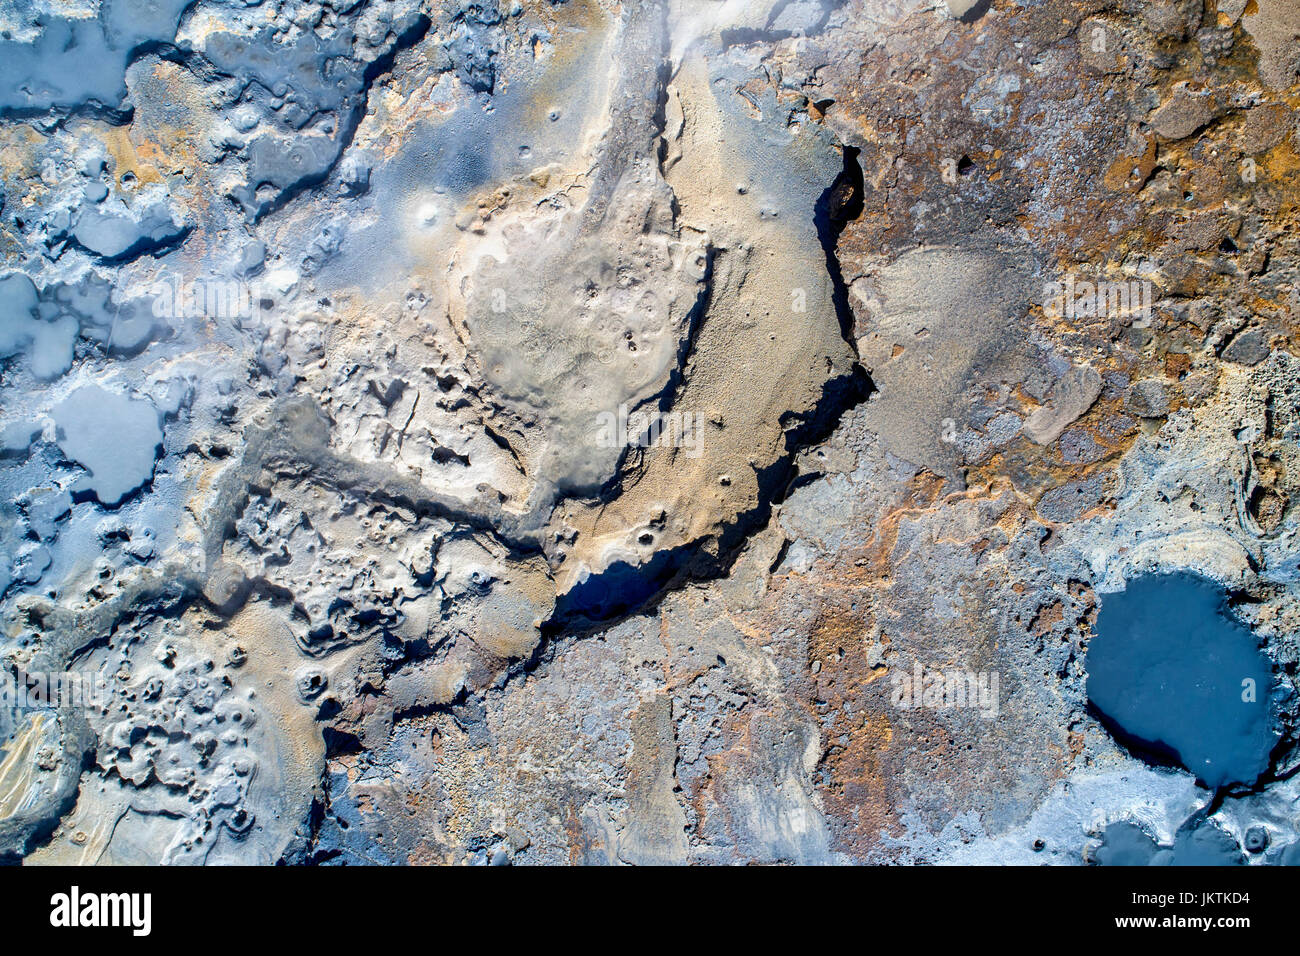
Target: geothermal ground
(649, 431)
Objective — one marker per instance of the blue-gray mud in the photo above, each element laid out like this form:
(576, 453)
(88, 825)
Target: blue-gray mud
(1177, 678)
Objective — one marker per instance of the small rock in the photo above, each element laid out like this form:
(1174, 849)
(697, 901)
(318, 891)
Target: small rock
(1248, 348)
(1172, 19)
(1184, 114)
(1149, 399)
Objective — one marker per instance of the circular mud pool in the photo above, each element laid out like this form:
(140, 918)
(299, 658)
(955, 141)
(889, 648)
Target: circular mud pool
(1177, 678)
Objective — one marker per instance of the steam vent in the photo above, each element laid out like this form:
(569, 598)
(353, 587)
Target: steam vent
(649, 432)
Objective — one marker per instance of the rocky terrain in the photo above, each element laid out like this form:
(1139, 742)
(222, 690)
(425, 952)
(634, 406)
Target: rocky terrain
(648, 431)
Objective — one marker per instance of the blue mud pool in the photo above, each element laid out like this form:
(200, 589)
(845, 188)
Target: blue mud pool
(1177, 678)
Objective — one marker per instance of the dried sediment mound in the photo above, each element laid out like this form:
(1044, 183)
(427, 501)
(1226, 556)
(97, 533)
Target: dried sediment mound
(634, 431)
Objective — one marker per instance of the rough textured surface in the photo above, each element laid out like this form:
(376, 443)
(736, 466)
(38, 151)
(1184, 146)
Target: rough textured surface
(623, 431)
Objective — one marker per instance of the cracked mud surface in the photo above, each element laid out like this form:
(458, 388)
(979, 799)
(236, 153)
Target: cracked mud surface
(614, 431)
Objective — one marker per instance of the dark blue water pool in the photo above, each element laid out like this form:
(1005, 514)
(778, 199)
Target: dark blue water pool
(1177, 678)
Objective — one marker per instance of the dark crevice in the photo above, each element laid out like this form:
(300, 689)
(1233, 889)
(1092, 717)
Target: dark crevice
(624, 589)
(840, 204)
(975, 12)
(741, 36)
